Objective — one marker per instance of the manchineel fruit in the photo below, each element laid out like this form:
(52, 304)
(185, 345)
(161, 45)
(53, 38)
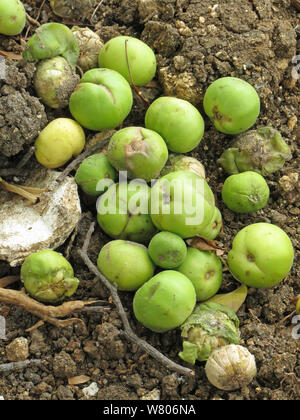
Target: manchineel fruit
(165, 301)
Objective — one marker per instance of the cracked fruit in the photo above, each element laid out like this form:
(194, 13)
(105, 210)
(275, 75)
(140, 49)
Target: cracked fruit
(246, 192)
(48, 276)
(126, 264)
(165, 301)
(58, 142)
(102, 100)
(178, 122)
(123, 212)
(140, 152)
(232, 104)
(261, 256)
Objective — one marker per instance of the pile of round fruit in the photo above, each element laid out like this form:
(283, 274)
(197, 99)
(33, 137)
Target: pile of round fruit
(160, 199)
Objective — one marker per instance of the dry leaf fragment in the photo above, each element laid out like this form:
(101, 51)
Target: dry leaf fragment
(204, 244)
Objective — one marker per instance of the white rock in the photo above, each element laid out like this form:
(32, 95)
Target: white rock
(91, 390)
(26, 229)
(153, 395)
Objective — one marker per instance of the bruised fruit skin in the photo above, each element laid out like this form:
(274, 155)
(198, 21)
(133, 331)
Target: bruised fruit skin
(122, 52)
(178, 122)
(51, 40)
(55, 81)
(102, 100)
(232, 104)
(183, 163)
(246, 192)
(92, 170)
(204, 269)
(126, 264)
(262, 150)
(261, 256)
(123, 212)
(61, 139)
(13, 17)
(48, 276)
(165, 301)
(140, 152)
(167, 250)
(183, 203)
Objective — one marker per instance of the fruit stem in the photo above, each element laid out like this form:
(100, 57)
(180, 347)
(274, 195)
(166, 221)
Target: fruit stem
(31, 194)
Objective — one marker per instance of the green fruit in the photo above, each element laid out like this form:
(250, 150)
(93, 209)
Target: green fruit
(126, 264)
(125, 52)
(54, 81)
(48, 276)
(102, 100)
(262, 150)
(261, 255)
(183, 203)
(92, 170)
(246, 192)
(178, 122)
(13, 17)
(123, 212)
(232, 104)
(204, 269)
(212, 230)
(140, 152)
(61, 139)
(167, 250)
(183, 163)
(49, 41)
(165, 301)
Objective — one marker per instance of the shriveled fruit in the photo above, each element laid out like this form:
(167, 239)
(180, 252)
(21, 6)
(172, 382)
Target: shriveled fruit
(48, 276)
(246, 192)
(55, 81)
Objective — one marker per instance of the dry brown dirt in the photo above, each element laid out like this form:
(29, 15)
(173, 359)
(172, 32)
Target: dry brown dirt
(196, 42)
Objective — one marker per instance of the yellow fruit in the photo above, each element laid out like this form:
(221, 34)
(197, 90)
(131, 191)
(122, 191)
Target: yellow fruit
(58, 142)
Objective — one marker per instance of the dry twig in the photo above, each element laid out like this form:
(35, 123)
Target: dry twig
(128, 332)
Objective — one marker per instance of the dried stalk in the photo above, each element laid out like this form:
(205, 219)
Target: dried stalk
(50, 314)
(128, 332)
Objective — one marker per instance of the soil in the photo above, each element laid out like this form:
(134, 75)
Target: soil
(196, 42)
